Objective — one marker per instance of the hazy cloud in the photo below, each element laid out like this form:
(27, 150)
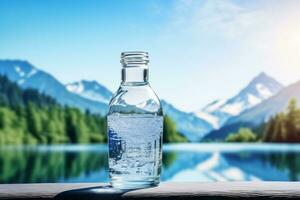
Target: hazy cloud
(267, 30)
(224, 18)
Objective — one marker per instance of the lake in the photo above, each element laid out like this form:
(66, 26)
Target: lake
(181, 162)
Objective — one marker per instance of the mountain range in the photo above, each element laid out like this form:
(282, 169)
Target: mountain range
(260, 99)
(90, 90)
(258, 90)
(270, 107)
(28, 76)
(188, 124)
(91, 95)
(259, 113)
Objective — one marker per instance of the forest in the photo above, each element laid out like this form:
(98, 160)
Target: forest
(29, 117)
(284, 127)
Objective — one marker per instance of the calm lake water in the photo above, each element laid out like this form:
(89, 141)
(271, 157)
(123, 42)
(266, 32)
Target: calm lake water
(181, 162)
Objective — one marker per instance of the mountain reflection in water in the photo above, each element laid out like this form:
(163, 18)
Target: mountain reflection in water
(183, 162)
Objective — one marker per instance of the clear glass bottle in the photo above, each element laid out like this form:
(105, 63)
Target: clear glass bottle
(135, 127)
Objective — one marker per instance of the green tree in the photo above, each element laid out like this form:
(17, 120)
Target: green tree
(29, 117)
(34, 122)
(284, 127)
(269, 130)
(170, 134)
(243, 135)
(71, 128)
(83, 130)
(279, 132)
(293, 121)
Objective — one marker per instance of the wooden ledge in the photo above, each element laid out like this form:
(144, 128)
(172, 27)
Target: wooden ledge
(174, 191)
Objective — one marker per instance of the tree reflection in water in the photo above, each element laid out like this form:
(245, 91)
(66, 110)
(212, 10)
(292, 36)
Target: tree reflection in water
(286, 161)
(34, 166)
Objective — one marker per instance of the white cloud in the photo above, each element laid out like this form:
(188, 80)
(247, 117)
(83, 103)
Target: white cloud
(215, 47)
(218, 17)
(270, 32)
(226, 18)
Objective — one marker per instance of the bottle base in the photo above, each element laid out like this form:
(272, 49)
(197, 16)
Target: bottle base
(133, 184)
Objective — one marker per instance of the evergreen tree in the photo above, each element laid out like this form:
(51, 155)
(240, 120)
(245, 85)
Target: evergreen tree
(71, 129)
(284, 127)
(83, 132)
(170, 133)
(34, 123)
(279, 132)
(269, 130)
(29, 117)
(293, 121)
(2, 120)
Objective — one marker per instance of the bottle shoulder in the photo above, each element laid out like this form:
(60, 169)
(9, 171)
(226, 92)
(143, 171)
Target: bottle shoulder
(139, 99)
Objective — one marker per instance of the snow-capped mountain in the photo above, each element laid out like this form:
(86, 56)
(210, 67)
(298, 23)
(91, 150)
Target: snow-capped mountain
(213, 120)
(90, 90)
(260, 113)
(258, 90)
(17, 71)
(191, 126)
(270, 107)
(28, 76)
(188, 124)
(95, 97)
(91, 95)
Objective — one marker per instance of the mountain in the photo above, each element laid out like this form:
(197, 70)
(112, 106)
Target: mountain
(259, 113)
(191, 126)
(95, 97)
(90, 90)
(188, 124)
(258, 90)
(28, 76)
(90, 95)
(270, 107)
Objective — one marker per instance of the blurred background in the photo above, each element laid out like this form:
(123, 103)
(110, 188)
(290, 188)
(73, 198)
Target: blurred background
(227, 73)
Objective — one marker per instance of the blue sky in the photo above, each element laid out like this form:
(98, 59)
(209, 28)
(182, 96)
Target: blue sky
(199, 50)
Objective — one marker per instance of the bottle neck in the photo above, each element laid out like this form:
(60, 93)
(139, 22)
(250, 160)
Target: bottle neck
(135, 75)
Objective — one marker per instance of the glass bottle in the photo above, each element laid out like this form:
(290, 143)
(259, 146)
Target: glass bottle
(135, 127)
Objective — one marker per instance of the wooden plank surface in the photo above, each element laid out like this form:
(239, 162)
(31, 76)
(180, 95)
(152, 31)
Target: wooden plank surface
(174, 191)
